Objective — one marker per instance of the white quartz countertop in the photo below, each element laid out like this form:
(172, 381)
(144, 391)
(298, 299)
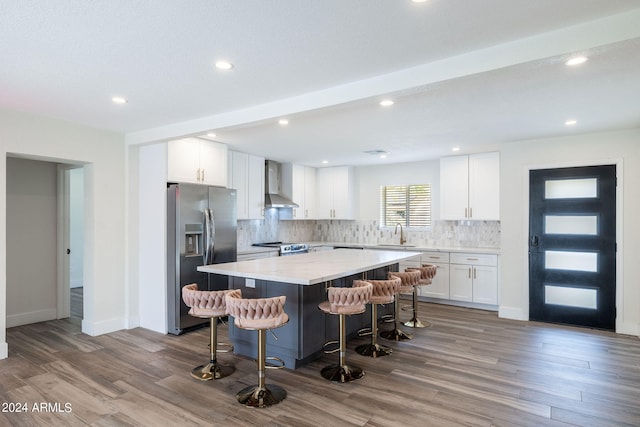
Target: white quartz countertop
(311, 268)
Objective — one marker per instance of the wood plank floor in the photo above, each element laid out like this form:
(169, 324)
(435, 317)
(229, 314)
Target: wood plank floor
(470, 368)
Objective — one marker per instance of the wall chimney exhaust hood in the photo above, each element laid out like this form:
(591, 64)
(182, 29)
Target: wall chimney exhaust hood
(273, 197)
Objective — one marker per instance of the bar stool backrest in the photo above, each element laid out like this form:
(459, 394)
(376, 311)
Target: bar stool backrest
(256, 313)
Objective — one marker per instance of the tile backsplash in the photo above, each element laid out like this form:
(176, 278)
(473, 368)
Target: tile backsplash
(472, 234)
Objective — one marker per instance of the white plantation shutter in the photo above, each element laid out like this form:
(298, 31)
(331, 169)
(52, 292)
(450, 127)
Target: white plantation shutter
(409, 205)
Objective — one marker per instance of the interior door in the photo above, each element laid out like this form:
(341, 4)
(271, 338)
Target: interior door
(572, 247)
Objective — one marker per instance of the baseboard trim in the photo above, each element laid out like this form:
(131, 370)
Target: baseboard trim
(4, 350)
(99, 328)
(133, 322)
(31, 317)
(514, 313)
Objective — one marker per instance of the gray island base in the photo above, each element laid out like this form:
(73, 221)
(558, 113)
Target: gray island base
(303, 279)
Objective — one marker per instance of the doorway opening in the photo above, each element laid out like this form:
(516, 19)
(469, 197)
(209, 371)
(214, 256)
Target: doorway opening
(40, 218)
(572, 246)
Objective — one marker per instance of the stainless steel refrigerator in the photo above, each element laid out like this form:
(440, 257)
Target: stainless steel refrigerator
(201, 229)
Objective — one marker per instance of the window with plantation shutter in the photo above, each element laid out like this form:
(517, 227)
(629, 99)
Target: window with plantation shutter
(409, 205)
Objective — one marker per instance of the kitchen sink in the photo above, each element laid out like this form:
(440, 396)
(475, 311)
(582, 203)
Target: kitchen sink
(396, 245)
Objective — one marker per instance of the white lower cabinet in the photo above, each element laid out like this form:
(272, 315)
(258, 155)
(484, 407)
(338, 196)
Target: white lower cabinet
(474, 278)
(469, 279)
(439, 287)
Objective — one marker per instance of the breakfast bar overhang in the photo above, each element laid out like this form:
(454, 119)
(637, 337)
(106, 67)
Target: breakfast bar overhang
(303, 279)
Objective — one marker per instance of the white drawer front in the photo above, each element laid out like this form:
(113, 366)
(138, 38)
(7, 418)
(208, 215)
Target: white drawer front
(434, 257)
(474, 259)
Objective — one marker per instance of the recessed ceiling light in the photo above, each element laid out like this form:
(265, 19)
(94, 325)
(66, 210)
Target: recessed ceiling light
(324, 162)
(283, 122)
(383, 156)
(386, 103)
(224, 65)
(119, 100)
(419, 1)
(570, 122)
(211, 135)
(455, 149)
(576, 60)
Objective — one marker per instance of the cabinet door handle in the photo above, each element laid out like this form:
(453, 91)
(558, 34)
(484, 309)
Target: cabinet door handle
(202, 175)
(198, 175)
(466, 210)
(434, 257)
(470, 212)
(469, 272)
(472, 259)
(474, 272)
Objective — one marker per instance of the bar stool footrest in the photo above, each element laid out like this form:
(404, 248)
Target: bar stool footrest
(342, 373)
(260, 397)
(364, 332)
(388, 318)
(333, 350)
(268, 359)
(227, 347)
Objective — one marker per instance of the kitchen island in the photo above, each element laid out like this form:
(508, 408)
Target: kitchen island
(303, 279)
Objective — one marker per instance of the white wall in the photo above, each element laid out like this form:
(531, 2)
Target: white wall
(369, 179)
(103, 153)
(621, 147)
(31, 241)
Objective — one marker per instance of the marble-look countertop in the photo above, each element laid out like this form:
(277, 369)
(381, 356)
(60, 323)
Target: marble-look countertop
(311, 268)
(407, 247)
(494, 251)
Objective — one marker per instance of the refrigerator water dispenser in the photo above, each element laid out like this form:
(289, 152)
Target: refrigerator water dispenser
(193, 239)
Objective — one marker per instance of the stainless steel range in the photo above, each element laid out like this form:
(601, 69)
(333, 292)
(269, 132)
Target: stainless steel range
(286, 248)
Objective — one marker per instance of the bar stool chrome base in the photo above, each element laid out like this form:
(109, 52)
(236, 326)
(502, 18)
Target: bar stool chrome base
(373, 350)
(416, 323)
(212, 371)
(256, 396)
(396, 335)
(342, 373)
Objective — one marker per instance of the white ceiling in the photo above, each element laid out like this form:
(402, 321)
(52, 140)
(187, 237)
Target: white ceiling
(467, 73)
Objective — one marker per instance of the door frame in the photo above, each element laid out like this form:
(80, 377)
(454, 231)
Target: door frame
(63, 234)
(619, 228)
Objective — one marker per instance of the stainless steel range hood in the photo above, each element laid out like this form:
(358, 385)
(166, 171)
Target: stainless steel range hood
(273, 197)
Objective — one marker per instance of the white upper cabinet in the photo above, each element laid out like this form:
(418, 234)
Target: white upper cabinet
(335, 193)
(299, 184)
(197, 161)
(246, 176)
(470, 187)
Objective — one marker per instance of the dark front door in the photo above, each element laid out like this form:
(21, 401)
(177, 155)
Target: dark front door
(572, 246)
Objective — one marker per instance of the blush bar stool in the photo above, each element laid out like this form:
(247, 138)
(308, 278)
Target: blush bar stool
(383, 292)
(259, 314)
(342, 302)
(208, 305)
(408, 280)
(427, 273)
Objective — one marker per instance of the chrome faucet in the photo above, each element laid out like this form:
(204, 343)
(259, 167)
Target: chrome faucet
(402, 239)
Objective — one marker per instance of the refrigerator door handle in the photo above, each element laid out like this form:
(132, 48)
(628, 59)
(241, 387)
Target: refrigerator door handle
(212, 236)
(207, 236)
